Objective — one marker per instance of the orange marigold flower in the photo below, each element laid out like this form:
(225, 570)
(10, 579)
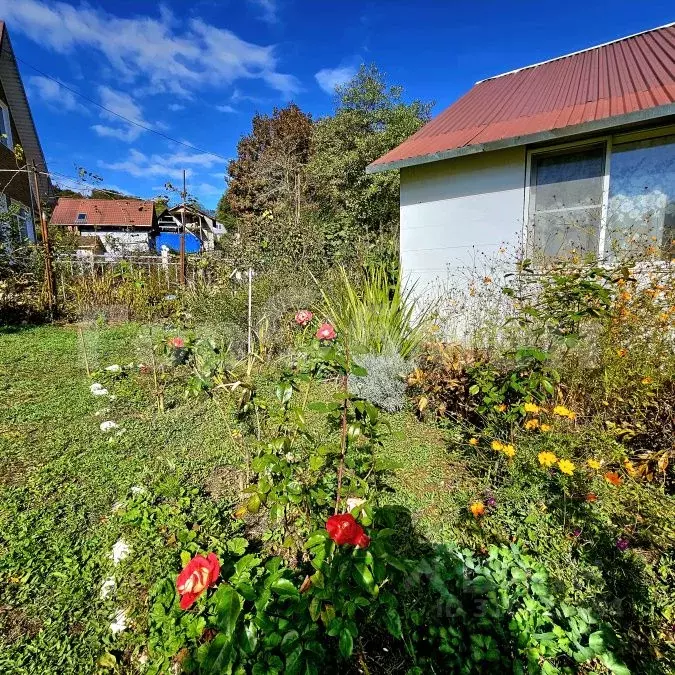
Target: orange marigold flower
(591, 497)
(473, 441)
(621, 352)
(613, 478)
(647, 380)
(532, 424)
(501, 407)
(477, 509)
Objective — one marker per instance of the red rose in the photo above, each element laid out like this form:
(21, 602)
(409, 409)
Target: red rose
(177, 342)
(343, 529)
(362, 541)
(303, 317)
(326, 332)
(200, 573)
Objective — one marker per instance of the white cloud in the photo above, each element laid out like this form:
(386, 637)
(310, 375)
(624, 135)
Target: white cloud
(329, 78)
(269, 9)
(174, 56)
(202, 190)
(168, 167)
(175, 107)
(226, 108)
(121, 103)
(55, 95)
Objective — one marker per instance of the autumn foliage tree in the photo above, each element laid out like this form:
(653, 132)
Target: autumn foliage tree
(298, 190)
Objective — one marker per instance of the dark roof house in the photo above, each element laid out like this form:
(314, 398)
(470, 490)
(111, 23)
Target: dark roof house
(17, 129)
(17, 126)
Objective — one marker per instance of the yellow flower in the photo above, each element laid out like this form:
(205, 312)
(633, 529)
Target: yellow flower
(531, 408)
(501, 407)
(647, 380)
(473, 441)
(594, 463)
(477, 509)
(509, 450)
(562, 411)
(621, 352)
(630, 469)
(546, 427)
(532, 424)
(497, 445)
(566, 466)
(547, 459)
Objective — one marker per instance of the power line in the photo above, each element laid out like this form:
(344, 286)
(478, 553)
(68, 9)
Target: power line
(126, 119)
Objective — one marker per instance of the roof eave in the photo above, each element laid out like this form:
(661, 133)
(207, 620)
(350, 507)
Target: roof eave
(637, 116)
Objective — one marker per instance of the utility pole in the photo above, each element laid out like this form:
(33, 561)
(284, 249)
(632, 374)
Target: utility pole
(50, 284)
(182, 234)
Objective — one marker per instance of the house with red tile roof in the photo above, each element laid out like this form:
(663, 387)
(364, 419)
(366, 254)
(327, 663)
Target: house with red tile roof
(19, 148)
(573, 154)
(116, 227)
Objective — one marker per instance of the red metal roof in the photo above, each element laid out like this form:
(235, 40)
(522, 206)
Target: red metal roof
(620, 79)
(113, 212)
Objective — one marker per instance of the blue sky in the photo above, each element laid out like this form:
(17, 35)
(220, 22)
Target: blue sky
(197, 71)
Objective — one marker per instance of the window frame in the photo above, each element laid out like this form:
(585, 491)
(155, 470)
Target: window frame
(609, 140)
(7, 122)
(606, 143)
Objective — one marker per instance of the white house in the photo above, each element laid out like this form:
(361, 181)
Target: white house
(114, 227)
(574, 153)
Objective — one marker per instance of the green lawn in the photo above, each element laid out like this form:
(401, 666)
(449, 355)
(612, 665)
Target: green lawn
(61, 477)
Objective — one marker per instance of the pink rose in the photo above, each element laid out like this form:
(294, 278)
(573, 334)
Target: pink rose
(303, 317)
(326, 332)
(177, 342)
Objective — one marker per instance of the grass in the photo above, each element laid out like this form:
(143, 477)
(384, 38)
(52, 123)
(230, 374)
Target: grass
(61, 476)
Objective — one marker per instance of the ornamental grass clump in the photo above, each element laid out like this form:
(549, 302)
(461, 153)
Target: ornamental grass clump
(377, 315)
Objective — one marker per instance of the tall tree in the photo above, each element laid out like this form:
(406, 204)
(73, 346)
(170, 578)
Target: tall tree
(266, 191)
(370, 119)
(270, 162)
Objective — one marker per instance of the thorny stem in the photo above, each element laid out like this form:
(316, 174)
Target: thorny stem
(343, 432)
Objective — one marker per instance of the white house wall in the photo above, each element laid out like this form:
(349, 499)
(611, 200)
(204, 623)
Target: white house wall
(461, 220)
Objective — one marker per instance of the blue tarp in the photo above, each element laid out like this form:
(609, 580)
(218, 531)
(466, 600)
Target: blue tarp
(172, 241)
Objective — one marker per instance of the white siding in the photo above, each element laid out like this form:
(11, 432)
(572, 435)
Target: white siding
(456, 215)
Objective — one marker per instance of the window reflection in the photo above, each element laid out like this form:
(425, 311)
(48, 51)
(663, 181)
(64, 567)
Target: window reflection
(641, 208)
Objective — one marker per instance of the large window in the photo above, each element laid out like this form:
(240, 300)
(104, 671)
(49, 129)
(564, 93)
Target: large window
(641, 209)
(5, 126)
(565, 207)
(611, 198)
